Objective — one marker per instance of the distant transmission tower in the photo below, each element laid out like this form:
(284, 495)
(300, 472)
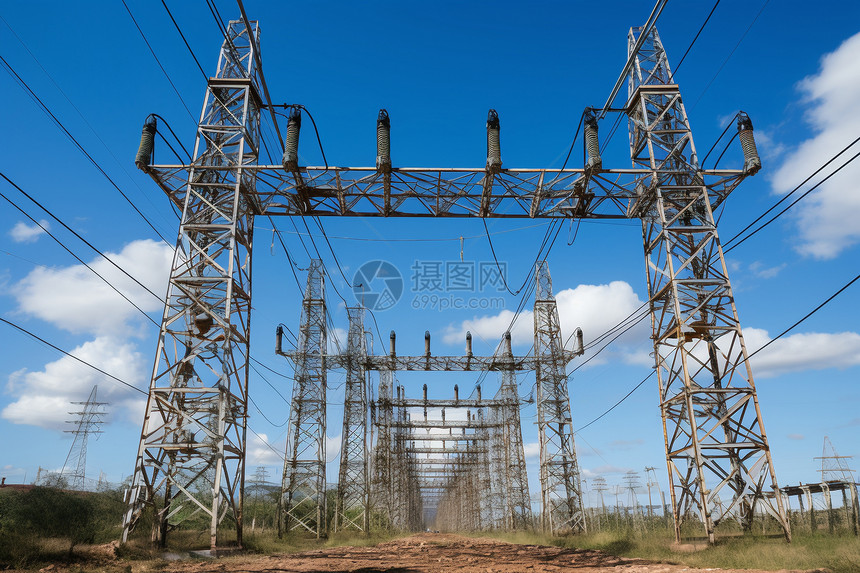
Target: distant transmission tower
(834, 466)
(88, 422)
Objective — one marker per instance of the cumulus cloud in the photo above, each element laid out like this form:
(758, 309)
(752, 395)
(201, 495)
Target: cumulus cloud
(531, 450)
(828, 223)
(44, 398)
(802, 351)
(74, 299)
(260, 452)
(24, 233)
(594, 308)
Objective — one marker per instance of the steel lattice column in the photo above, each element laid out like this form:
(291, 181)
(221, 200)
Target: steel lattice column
(518, 514)
(561, 496)
(303, 488)
(715, 440)
(191, 456)
(352, 489)
(383, 479)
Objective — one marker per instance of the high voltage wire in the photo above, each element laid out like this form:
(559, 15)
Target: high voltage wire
(80, 147)
(75, 233)
(187, 45)
(696, 37)
(804, 182)
(95, 272)
(771, 341)
(152, 51)
(82, 116)
(720, 69)
(58, 349)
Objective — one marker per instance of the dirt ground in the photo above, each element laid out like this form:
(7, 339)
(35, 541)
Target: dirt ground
(428, 552)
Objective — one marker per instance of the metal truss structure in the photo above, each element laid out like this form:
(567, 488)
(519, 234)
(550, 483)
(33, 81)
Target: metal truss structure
(561, 492)
(191, 454)
(715, 438)
(353, 494)
(303, 501)
(88, 422)
(472, 474)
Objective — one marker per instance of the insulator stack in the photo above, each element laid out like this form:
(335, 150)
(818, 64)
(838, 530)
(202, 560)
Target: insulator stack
(383, 142)
(147, 144)
(752, 162)
(291, 147)
(494, 150)
(592, 143)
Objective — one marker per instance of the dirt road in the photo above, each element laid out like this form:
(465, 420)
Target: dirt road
(427, 552)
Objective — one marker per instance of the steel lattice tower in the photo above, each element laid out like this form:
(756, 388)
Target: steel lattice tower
(88, 422)
(353, 487)
(715, 439)
(191, 456)
(561, 493)
(303, 499)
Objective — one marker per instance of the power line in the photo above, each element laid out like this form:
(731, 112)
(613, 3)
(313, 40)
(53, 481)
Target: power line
(618, 403)
(810, 313)
(81, 115)
(804, 182)
(151, 51)
(187, 45)
(80, 147)
(771, 341)
(58, 349)
(690, 47)
(75, 233)
(720, 69)
(48, 232)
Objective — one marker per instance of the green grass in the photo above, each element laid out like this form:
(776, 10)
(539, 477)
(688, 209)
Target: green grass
(839, 553)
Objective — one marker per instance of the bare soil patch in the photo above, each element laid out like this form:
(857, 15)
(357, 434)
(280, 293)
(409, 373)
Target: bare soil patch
(428, 552)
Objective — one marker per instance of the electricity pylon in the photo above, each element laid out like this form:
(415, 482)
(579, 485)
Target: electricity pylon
(353, 487)
(715, 438)
(561, 491)
(88, 422)
(303, 498)
(191, 454)
(192, 444)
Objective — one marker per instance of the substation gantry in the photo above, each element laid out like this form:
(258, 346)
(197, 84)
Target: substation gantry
(190, 463)
(473, 479)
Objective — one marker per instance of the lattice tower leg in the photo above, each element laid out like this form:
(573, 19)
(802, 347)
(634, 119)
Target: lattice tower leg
(499, 468)
(303, 496)
(383, 484)
(561, 495)
(352, 489)
(518, 485)
(191, 456)
(715, 439)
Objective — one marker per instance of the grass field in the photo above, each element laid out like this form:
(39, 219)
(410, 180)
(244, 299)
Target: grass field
(839, 553)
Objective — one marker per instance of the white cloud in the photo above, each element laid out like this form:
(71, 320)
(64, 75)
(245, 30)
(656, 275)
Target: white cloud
(795, 436)
(531, 450)
(24, 233)
(44, 398)
(604, 469)
(760, 270)
(74, 299)
(259, 452)
(828, 222)
(803, 351)
(332, 447)
(594, 308)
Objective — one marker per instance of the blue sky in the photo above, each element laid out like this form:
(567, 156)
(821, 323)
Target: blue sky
(437, 70)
